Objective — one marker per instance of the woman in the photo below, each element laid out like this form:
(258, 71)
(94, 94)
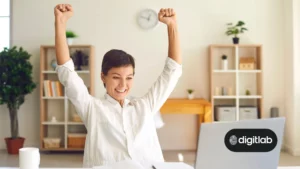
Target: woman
(118, 128)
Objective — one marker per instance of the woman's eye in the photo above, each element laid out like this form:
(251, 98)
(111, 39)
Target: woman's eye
(116, 77)
(129, 78)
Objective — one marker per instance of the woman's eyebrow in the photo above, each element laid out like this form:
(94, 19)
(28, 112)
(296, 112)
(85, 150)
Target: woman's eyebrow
(120, 75)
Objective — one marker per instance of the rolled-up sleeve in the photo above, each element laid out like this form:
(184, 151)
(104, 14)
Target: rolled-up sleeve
(163, 86)
(75, 89)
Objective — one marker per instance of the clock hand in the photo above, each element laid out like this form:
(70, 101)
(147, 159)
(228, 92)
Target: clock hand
(144, 17)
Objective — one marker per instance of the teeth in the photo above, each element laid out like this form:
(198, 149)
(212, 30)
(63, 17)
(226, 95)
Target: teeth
(121, 91)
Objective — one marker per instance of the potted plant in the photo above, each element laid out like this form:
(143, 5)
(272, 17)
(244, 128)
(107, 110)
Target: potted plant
(70, 36)
(80, 59)
(15, 82)
(235, 30)
(190, 93)
(224, 62)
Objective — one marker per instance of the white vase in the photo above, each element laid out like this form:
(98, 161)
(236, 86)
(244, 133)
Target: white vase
(191, 96)
(224, 64)
(70, 41)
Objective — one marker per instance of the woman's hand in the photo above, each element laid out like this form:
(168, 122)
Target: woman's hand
(63, 12)
(167, 16)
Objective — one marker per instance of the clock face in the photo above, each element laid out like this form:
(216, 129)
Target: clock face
(147, 19)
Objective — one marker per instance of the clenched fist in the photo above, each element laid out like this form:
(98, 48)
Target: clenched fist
(167, 16)
(63, 12)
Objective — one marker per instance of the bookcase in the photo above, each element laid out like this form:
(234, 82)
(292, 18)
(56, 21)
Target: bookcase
(60, 127)
(236, 84)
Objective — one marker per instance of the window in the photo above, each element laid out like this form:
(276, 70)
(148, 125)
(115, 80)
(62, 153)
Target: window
(4, 24)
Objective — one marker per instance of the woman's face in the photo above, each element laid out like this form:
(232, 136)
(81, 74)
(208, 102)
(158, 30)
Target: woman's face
(118, 82)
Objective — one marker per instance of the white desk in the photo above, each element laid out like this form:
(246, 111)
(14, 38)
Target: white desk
(121, 165)
(186, 167)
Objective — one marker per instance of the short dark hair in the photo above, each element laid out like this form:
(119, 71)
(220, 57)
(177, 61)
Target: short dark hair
(116, 58)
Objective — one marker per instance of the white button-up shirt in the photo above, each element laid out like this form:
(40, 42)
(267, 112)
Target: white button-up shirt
(116, 133)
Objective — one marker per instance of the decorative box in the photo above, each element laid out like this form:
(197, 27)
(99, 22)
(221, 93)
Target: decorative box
(76, 140)
(52, 142)
(247, 63)
(248, 113)
(225, 113)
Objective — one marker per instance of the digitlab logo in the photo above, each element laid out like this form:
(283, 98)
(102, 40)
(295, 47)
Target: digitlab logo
(250, 140)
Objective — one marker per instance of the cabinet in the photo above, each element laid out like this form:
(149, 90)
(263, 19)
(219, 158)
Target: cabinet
(58, 120)
(237, 81)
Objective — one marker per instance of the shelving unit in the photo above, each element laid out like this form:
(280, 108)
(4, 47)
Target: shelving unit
(57, 105)
(239, 81)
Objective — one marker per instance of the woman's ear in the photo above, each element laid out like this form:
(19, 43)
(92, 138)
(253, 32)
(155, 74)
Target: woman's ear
(102, 77)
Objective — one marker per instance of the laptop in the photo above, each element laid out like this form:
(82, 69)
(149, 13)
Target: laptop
(246, 144)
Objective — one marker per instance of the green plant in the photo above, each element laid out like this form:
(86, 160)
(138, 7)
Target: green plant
(190, 91)
(15, 82)
(224, 57)
(70, 34)
(236, 29)
(247, 92)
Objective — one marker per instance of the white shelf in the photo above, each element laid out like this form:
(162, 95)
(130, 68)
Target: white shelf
(75, 123)
(54, 72)
(225, 97)
(250, 97)
(234, 77)
(54, 98)
(249, 71)
(234, 71)
(224, 71)
(238, 97)
(53, 123)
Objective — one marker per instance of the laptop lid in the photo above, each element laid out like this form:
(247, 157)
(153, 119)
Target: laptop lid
(246, 144)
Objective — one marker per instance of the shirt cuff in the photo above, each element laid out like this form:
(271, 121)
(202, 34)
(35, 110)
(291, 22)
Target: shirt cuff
(172, 64)
(69, 65)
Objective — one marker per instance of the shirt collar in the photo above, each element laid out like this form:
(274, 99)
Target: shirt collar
(114, 101)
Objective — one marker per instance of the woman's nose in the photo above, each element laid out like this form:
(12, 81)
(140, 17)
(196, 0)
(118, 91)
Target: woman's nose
(122, 83)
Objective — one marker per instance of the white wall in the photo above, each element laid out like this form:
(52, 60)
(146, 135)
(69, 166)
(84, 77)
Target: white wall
(292, 79)
(111, 24)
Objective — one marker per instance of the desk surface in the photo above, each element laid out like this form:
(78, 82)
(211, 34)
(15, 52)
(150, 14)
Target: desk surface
(285, 167)
(123, 165)
(187, 101)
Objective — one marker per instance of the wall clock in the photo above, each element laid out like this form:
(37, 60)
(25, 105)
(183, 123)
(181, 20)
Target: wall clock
(147, 19)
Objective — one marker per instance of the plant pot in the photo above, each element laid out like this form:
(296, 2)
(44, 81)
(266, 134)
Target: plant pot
(70, 41)
(224, 64)
(13, 145)
(235, 40)
(190, 96)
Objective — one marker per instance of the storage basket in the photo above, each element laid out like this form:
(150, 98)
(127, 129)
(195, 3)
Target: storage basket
(76, 140)
(76, 118)
(52, 142)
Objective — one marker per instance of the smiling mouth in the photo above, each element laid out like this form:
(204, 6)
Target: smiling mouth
(121, 91)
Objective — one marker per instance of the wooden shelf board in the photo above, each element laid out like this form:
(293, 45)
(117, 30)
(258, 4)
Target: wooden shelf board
(235, 45)
(224, 97)
(224, 71)
(70, 46)
(54, 72)
(53, 123)
(62, 149)
(75, 123)
(53, 98)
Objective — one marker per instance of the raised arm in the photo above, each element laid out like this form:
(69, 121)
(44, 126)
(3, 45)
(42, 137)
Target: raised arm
(75, 89)
(168, 17)
(166, 82)
(63, 12)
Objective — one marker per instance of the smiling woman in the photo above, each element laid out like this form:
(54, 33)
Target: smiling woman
(119, 127)
(117, 73)
(5, 23)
